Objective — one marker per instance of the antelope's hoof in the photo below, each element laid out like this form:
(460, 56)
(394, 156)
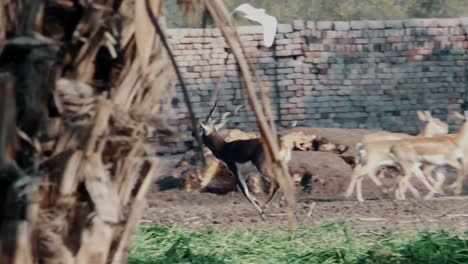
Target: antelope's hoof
(361, 200)
(428, 197)
(281, 204)
(387, 190)
(398, 196)
(457, 190)
(345, 195)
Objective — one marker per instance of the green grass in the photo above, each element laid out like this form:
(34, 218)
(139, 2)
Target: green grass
(328, 243)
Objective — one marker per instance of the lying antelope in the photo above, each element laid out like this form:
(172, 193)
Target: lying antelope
(237, 155)
(437, 151)
(374, 148)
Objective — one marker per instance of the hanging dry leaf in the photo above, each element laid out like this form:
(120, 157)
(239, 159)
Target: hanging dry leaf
(144, 32)
(101, 189)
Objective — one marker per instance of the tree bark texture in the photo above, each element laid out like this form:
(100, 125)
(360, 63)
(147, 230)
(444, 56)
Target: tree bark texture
(81, 93)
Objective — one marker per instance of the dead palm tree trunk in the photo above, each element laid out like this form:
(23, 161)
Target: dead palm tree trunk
(82, 89)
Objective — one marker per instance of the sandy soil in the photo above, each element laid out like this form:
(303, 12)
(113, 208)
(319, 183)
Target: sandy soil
(324, 203)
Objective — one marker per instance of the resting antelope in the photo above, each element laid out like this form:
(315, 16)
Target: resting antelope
(438, 151)
(374, 148)
(238, 154)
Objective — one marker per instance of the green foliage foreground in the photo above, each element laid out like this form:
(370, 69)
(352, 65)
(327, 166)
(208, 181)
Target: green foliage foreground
(329, 243)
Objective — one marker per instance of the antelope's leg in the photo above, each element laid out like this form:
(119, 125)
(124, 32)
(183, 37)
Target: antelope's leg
(400, 192)
(408, 185)
(274, 187)
(271, 196)
(404, 182)
(245, 190)
(357, 173)
(242, 185)
(372, 173)
(457, 185)
(370, 170)
(403, 185)
(440, 178)
(437, 181)
(401, 188)
(359, 189)
(399, 154)
(398, 189)
(427, 170)
(418, 173)
(413, 190)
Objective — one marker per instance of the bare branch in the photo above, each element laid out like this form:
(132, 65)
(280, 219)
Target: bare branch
(154, 20)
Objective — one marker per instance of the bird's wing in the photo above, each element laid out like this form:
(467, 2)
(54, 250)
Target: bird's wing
(270, 24)
(246, 8)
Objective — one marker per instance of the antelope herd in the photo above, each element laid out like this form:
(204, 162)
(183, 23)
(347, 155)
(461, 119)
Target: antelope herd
(432, 148)
(423, 156)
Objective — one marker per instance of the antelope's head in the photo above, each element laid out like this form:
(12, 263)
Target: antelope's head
(211, 126)
(432, 125)
(464, 126)
(457, 115)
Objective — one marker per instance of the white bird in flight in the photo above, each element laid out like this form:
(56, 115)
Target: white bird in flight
(269, 23)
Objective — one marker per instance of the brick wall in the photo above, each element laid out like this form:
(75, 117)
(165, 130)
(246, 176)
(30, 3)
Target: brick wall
(350, 74)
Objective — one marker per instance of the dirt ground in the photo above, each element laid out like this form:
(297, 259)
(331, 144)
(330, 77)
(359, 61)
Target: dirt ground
(324, 203)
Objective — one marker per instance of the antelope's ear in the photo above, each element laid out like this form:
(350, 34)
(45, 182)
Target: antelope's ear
(428, 113)
(457, 115)
(423, 115)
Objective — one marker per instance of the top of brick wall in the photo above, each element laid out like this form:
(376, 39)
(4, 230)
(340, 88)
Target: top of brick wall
(327, 25)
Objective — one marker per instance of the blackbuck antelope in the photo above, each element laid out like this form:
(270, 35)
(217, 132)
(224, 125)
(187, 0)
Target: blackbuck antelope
(438, 151)
(374, 149)
(238, 155)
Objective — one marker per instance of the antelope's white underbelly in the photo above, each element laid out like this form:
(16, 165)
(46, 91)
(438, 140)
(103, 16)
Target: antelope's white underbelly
(245, 168)
(434, 159)
(388, 162)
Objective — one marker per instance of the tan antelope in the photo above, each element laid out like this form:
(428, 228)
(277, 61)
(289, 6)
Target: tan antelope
(374, 148)
(438, 151)
(238, 155)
